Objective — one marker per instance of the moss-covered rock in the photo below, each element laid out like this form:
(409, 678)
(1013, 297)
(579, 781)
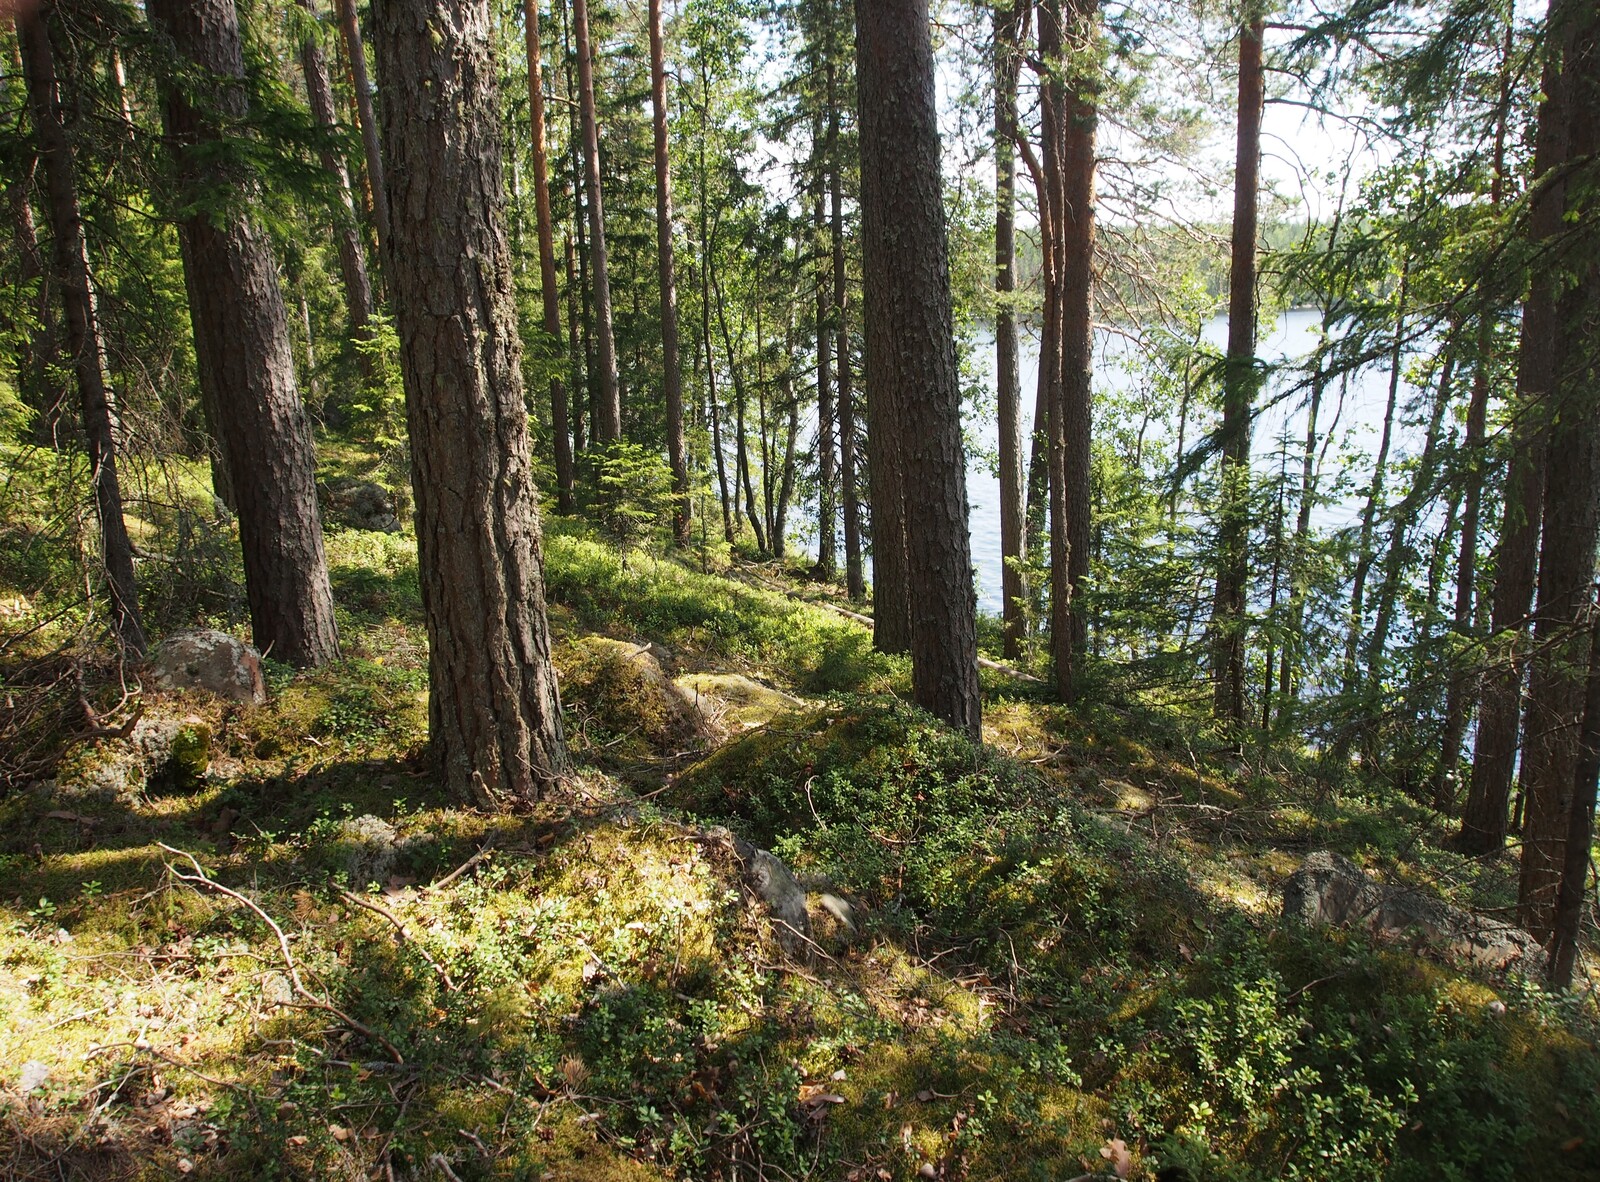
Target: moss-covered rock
(623, 702)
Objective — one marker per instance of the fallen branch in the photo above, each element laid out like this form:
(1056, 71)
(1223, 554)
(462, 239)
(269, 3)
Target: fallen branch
(199, 878)
(471, 862)
(379, 909)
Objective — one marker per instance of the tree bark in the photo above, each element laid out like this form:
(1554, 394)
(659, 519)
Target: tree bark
(741, 441)
(1494, 757)
(242, 345)
(357, 53)
(1464, 622)
(560, 426)
(1239, 385)
(855, 582)
(911, 355)
(827, 470)
(608, 407)
(1552, 746)
(1008, 393)
(494, 713)
(347, 233)
(1075, 227)
(1570, 895)
(76, 284)
(672, 369)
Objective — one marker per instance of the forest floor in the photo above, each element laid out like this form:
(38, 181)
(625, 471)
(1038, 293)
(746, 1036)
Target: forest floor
(1060, 952)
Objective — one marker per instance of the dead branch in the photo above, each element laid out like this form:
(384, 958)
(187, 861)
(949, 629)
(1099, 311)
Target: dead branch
(200, 879)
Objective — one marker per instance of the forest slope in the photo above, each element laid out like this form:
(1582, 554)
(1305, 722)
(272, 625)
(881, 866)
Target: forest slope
(1065, 958)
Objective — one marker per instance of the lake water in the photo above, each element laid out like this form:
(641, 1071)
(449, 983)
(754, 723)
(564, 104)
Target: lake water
(1354, 410)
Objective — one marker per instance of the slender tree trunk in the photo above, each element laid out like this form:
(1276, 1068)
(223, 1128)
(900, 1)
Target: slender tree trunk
(242, 347)
(855, 582)
(312, 386)
(827, 473)
(1298, 548)
(346, 230)
(560, 427)
(780, 517)
(76, 284)
(1014, 592)
(1239, 386)
(1376, 490)
(672, 370)
(1459, 692)
(575, 355)
(494, 715)
(357, 53)
(741, 441)
(1405, 516)
(1075, 223)
(911, 355)
(608, 410)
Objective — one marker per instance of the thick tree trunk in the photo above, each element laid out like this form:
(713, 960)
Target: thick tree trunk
(356, 51)
(494, 714)
(1228, 621)
(1008, 393)
(560, 427)
(242, 347)
(672, 370)
(608, 397)
(911, 355)
(76, 284)
(1573, 890)
(1552, 747)
(854, 579)
(346, 230)
(1494, 757)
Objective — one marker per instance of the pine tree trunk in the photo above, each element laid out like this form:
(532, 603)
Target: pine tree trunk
(672, 369)
(608, 406)
(357, 53)
(494, 714)
(911, 355)
(76, 284)
(1553, 743)
(1365, 555)
(1075, 226)
(827, 471)
(1458, 693)
(1573, 890)
(1239, 385)
(741, 441)
(1405, 517)
(242, 347)
(346, 230)
(560, 426)
(1008, 394)
(854, 579)
(1297, 550)
(1494, 757)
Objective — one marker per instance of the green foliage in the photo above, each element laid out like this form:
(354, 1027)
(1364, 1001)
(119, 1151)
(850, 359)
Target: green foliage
(635, 501)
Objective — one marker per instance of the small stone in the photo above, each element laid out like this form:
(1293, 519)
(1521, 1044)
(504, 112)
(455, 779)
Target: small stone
(1497, 1008)
(34, 1076)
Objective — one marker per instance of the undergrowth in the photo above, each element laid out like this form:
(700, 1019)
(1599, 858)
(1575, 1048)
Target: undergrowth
(1062, 956)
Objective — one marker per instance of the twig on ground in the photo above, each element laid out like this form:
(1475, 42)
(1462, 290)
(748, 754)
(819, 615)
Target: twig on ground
(379, 909)
(200, 878)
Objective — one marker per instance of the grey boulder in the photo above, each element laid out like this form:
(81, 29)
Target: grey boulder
(212, 661)
(1329, 889)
